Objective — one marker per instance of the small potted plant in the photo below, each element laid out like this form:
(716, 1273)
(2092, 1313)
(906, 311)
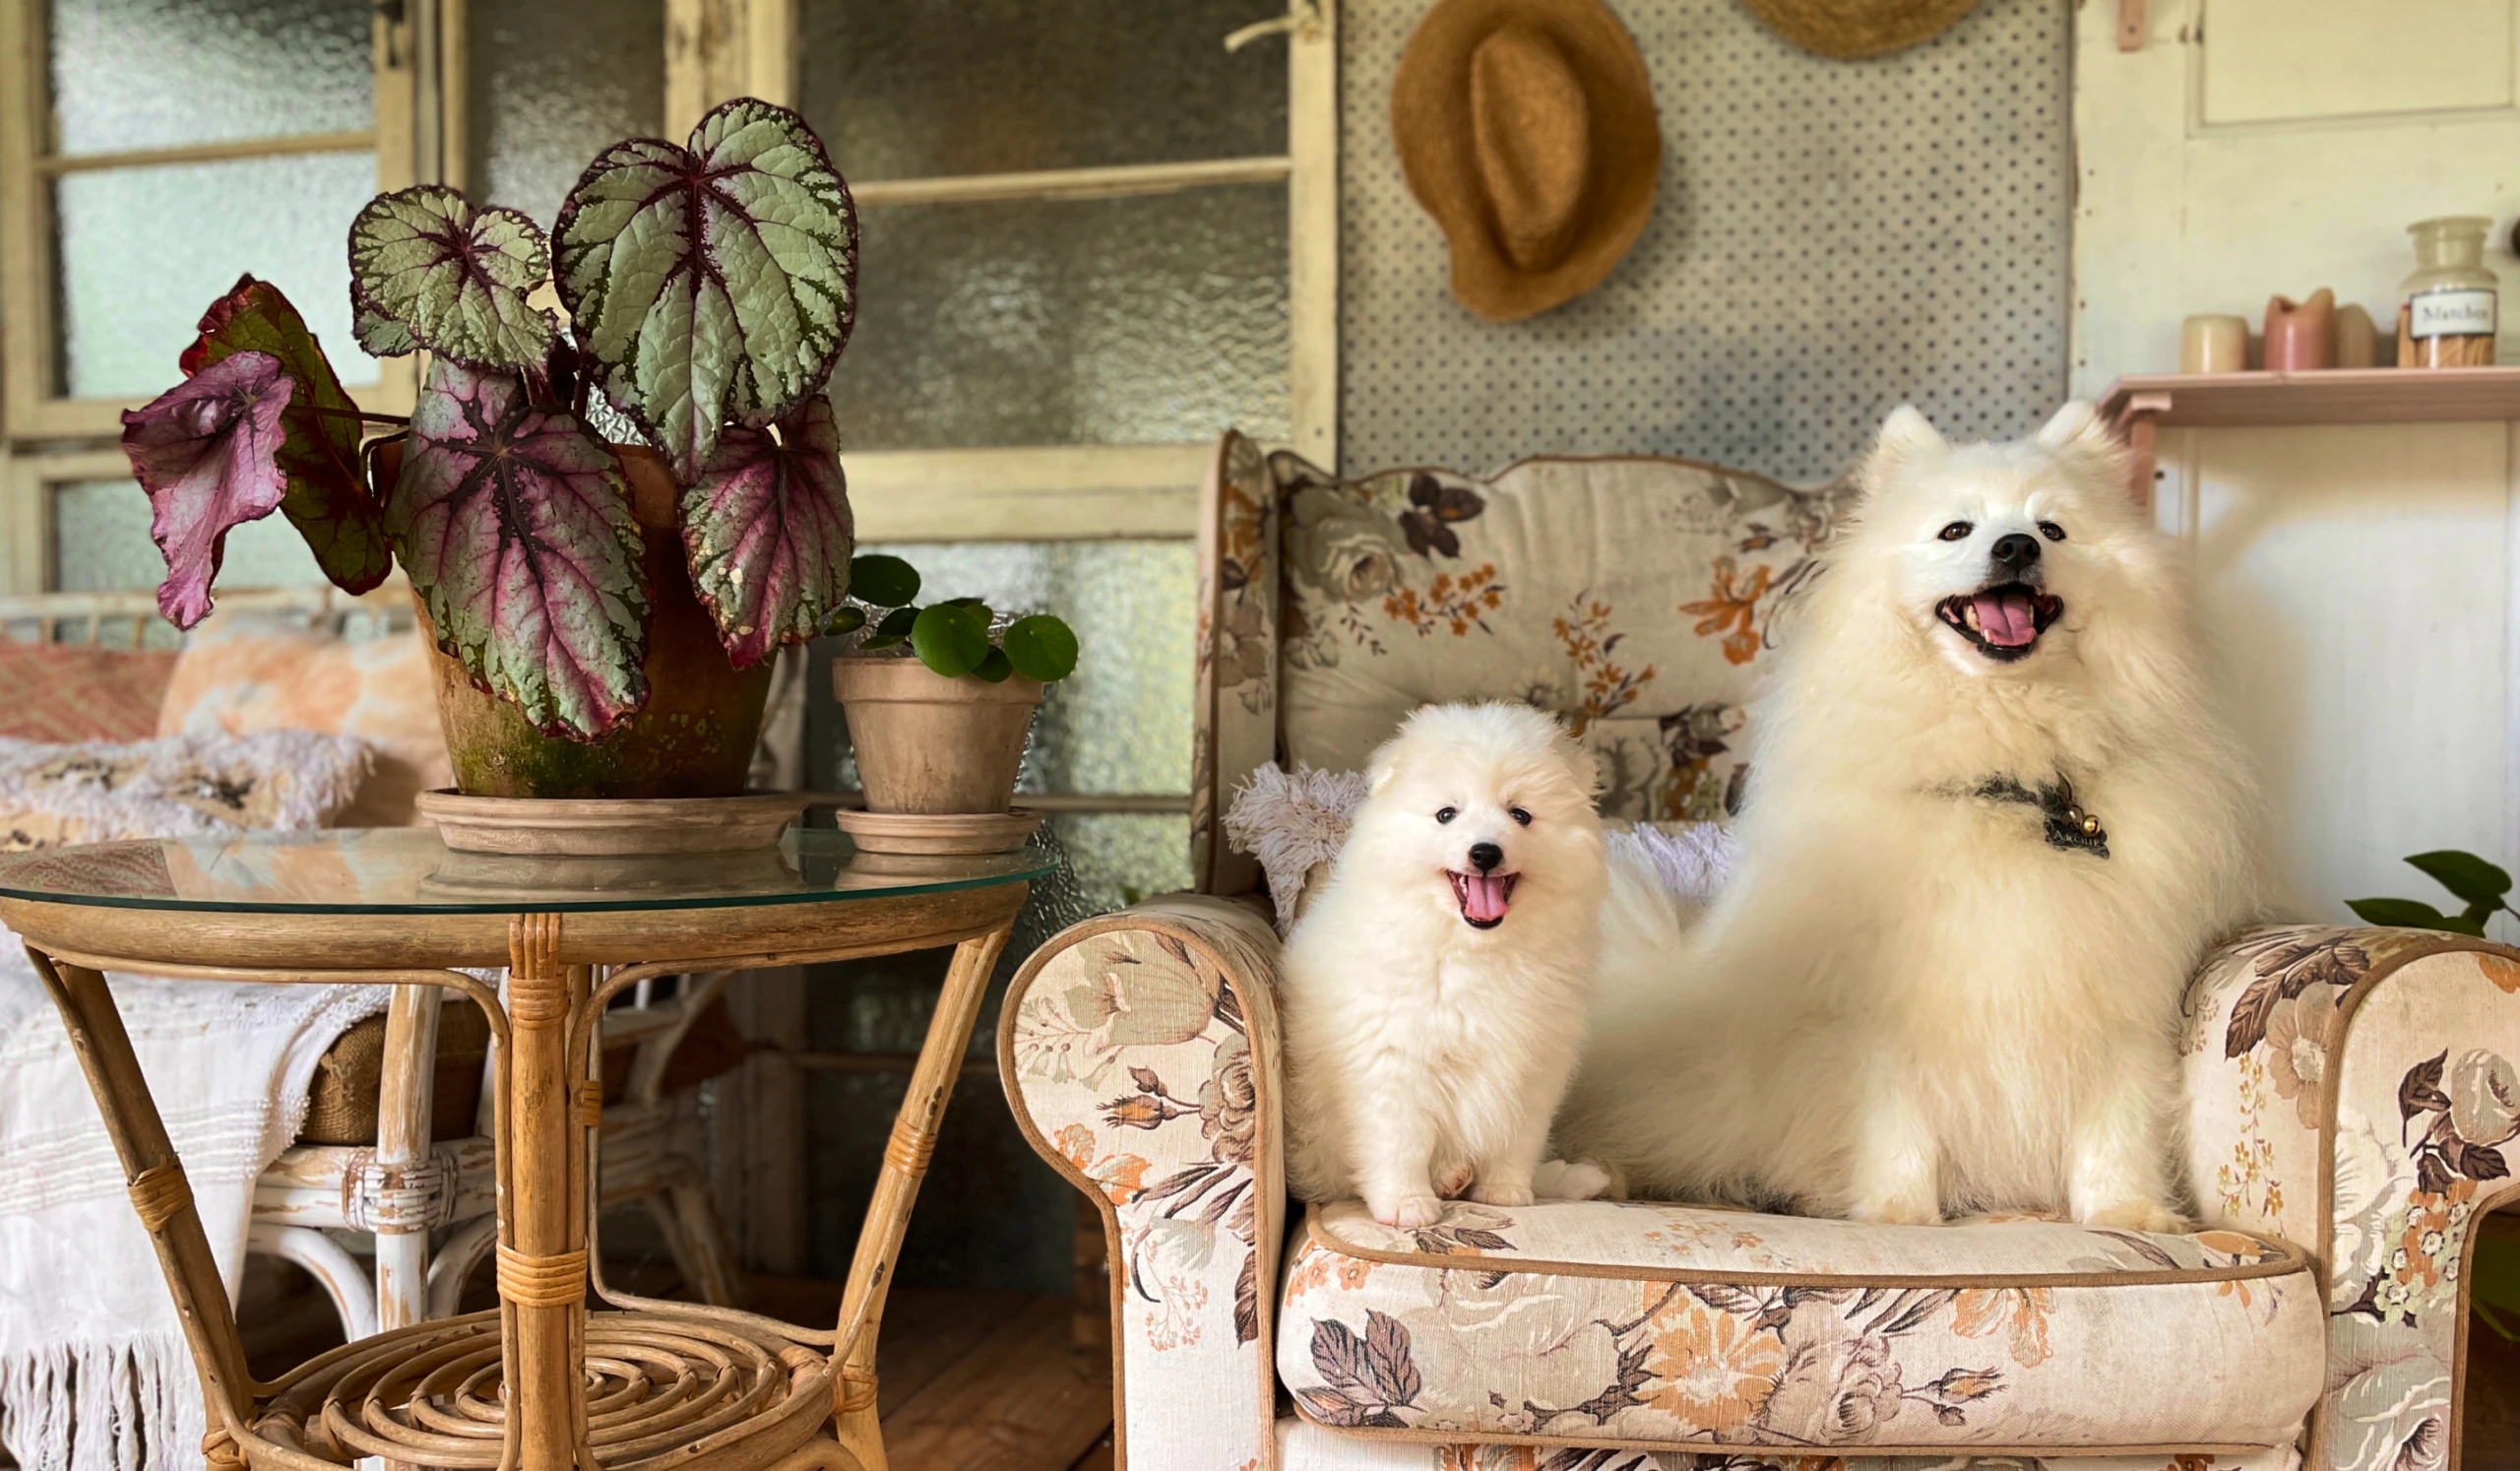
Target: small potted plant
(605, 612)
(939, 701)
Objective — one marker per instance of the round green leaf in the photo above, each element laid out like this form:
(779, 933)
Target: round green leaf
(947, 640)
(452, 276)
(996, 667)
(1042, 648)
(849, 619)
(883, 581)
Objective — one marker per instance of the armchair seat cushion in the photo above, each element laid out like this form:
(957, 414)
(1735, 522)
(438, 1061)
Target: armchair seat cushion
(1663, 1326)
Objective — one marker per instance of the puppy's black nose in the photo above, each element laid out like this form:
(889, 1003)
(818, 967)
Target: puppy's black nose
(2013, 552)
(1486, 856)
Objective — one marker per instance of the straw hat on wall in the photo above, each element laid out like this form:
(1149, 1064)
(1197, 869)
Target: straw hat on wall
(1848, 30)
(1526, 128)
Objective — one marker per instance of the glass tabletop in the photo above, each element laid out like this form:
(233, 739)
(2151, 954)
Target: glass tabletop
(406, 870)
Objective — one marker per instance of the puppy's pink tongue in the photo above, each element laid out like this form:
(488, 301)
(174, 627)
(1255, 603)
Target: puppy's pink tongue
(1483, 896)
(2003, 618)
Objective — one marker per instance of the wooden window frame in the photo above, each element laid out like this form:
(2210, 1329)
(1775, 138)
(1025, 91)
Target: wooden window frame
(716, 49)
(416, 46)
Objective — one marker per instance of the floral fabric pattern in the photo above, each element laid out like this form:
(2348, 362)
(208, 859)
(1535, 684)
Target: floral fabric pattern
(1307, 1446)
(2405, 1039)
(1235, 684)
(1420, 585)
(1141, 1051)
(1646, 1323)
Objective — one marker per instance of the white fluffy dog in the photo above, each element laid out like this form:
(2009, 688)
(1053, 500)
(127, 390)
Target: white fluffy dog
(1433, 995)
(1992, 822)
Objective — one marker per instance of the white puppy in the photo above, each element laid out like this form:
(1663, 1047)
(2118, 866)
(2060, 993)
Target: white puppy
(1992, 822)
(1433, 995)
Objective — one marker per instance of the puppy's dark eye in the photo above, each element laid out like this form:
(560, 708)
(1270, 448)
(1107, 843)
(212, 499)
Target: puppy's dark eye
(1956, 531)
(2051, 531)
(1445, 814)
(1521, 816)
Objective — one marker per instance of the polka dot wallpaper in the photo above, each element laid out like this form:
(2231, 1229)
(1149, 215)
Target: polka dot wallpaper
(1829, 239)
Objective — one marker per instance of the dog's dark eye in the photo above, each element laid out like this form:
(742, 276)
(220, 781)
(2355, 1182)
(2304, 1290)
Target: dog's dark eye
(1521, 816)
(2051, 531)
(1956, 531)
(1445, 814)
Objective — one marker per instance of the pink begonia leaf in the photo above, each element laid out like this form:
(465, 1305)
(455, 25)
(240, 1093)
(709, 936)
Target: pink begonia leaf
(768, 534)
(514, 523)
(327, 500)
(208, 453)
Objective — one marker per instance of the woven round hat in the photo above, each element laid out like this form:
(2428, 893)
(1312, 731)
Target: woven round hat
(1526, 128)
(1848, 30)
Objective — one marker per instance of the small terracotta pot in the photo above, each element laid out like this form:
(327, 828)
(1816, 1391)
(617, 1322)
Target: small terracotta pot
(931, 746)
(2300, 336)
(694, 738)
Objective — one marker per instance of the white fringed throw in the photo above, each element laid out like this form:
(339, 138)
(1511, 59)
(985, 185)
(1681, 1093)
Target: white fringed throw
(93, 1371)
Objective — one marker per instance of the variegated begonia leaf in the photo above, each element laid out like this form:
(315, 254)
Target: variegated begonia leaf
(711, 283)
(381, 334)
(769, 532)
(453, 277)
(327, 499)
(514, 523)
(208, 453)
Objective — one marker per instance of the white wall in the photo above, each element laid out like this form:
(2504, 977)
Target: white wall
(2356, 581)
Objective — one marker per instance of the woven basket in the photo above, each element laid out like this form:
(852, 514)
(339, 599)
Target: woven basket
(340, 1106)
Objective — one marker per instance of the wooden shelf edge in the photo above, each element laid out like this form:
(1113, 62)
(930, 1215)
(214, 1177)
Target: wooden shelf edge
(2341, 396)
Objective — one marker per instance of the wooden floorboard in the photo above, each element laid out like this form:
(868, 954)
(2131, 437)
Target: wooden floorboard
(1024, 1399)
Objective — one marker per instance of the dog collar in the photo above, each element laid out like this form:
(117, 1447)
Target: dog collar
(2069, 829)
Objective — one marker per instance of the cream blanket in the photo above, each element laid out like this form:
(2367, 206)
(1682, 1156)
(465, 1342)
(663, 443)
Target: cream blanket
(93, 1371)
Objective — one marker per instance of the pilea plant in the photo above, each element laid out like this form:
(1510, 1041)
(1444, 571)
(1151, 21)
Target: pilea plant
(955, 637)
(710, 288)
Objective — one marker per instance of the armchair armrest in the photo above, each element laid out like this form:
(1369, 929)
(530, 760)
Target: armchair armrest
(2355, 1091)
(1140, 1056)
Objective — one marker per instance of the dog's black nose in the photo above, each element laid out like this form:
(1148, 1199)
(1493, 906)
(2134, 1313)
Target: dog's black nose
(2014, 551)
(1486, 856)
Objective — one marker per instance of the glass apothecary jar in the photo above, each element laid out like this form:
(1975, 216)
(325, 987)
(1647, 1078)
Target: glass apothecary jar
(2446, 311)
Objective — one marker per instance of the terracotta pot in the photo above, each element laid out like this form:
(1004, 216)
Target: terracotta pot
(694, 738)
(2300, 336)
(927, 744)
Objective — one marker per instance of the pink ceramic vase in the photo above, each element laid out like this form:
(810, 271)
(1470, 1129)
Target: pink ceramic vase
(2300, 336)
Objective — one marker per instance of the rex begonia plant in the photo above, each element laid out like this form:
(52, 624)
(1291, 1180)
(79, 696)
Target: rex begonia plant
(710, 288)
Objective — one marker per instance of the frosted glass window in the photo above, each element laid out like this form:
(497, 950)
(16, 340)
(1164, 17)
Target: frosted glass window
(1122, 722)
(907, 88)
(136, 73)
(141, 252)
(555, 82)
(1154, 319)
(101, 544)
(1117, 858)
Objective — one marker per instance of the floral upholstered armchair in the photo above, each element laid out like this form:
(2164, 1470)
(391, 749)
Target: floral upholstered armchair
(2353, 1103)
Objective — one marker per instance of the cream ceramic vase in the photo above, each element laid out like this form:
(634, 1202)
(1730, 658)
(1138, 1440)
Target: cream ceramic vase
(930, 747)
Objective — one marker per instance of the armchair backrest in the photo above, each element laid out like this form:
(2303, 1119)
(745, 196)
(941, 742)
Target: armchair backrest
(1631, 595)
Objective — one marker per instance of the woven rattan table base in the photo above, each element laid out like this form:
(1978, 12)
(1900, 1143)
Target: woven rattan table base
(661, 1389)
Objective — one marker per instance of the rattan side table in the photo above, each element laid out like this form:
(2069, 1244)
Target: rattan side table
(540, 1383)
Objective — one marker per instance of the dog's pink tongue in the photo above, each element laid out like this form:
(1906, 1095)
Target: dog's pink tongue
(1484, 897)
(2004, 618)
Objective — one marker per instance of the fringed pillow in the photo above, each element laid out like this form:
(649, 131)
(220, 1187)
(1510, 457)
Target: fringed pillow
(177, 785)
(1295, 823)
